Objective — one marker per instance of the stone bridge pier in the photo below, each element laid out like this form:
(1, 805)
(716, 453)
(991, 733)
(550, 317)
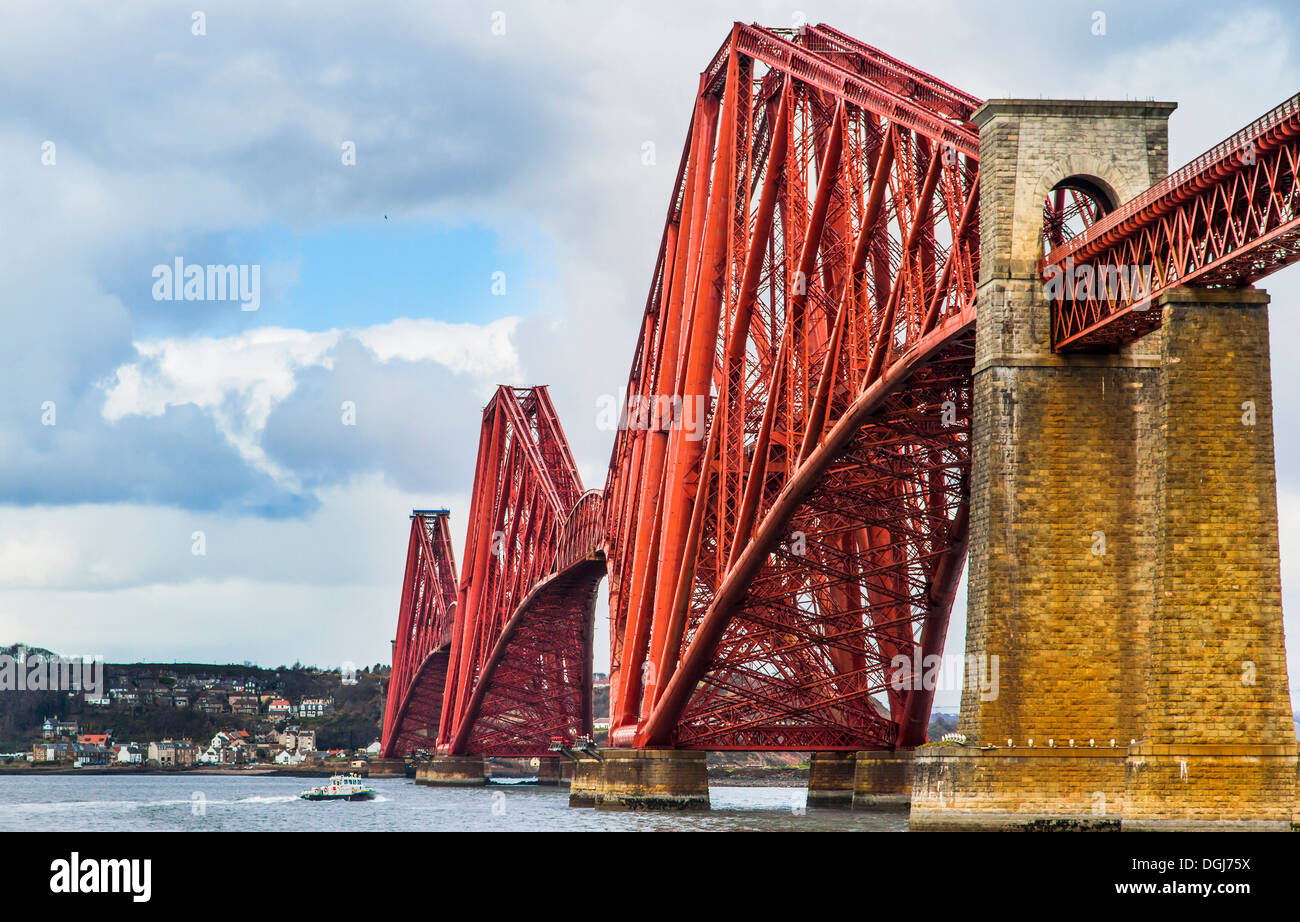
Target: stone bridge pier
(1123, 565)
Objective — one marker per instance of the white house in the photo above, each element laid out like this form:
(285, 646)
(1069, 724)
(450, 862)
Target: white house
(128, 754)
(315, 707)
(228, 747)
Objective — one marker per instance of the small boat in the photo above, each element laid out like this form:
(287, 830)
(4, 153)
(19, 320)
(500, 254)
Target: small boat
(341, 787)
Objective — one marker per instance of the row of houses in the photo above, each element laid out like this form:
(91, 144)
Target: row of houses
(292, 746)
(97, 749)
(208, 702)
(76, 753)
(216, 701)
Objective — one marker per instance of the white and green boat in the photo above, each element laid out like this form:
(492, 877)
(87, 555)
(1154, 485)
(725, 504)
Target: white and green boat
(341, 787)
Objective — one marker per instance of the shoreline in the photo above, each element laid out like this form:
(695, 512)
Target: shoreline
(719, 776)
(262, 771)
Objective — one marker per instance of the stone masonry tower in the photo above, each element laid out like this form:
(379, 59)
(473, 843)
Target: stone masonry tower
(1123, 577)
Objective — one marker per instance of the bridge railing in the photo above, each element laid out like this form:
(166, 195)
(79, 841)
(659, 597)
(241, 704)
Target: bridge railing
(583, 532)
(1224, 157)
(1227, 219)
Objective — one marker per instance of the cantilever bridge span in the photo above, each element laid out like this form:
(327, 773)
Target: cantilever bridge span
(502, 663)
(815, 294)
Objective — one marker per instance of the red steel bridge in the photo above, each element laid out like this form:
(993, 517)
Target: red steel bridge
(814, 294)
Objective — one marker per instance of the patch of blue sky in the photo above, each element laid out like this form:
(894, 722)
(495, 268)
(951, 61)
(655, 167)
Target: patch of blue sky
(348, 275)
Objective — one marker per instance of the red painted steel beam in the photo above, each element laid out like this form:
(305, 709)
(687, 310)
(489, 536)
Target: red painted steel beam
(1226, 220)
(519, 662)
(424, 630)
(898, 76)
(816, 288)
(823, 73)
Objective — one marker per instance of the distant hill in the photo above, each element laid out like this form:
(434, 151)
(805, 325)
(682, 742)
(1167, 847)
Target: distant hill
(150, 701)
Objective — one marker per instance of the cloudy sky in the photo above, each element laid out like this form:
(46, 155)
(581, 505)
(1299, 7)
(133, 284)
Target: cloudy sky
(127, 141)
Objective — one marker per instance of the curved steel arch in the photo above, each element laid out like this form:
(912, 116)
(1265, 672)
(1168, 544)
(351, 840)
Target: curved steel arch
(519, 670)
(536, 686)
(786, 513)
(814, 298)
(424, 628)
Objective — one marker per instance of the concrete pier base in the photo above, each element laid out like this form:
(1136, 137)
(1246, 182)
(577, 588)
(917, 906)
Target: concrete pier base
(882, 780)
(1209, 787)
(830, 780)
(642, 779)
(555, 771)
(451, 771)
(586, 779)
(1044, 789)
(386, 768)
(653, 779)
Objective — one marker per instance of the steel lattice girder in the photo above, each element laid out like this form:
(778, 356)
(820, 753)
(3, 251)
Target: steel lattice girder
(814, 298)
(1225, 220)
(519, 672)
(424, 627)
(815, 294)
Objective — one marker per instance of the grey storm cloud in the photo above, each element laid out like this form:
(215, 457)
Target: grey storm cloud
(177, 459)
(413, 421)
(165, 142)
(267, 97)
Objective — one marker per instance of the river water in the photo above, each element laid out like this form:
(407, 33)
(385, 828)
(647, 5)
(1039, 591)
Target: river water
(98, 803)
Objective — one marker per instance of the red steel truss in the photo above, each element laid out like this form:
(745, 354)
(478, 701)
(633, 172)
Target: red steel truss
(792, 513)
(424, 626)
(786, 511)
(1225, 220)
(519, 672)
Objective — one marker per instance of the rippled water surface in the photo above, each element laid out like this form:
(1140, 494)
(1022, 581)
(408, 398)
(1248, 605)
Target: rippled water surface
(234, 802)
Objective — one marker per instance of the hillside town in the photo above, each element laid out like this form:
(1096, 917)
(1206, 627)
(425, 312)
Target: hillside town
(180, 716)
(62, 742)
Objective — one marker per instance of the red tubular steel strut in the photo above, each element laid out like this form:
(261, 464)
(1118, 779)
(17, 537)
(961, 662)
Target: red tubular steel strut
(817, 523)
(786, 511)
(424, 627)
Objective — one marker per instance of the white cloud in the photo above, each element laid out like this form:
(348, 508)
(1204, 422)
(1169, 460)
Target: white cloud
(241, 378)
(36, 557)
(482, 351)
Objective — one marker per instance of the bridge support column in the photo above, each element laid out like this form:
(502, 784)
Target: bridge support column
(554, 771)
(1047, 788)
(451, 771)
(585, 783)
(650, 779)
(882, 780)
(830, 780)
(1218, 747)
(385, 768)
(1063, 498)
